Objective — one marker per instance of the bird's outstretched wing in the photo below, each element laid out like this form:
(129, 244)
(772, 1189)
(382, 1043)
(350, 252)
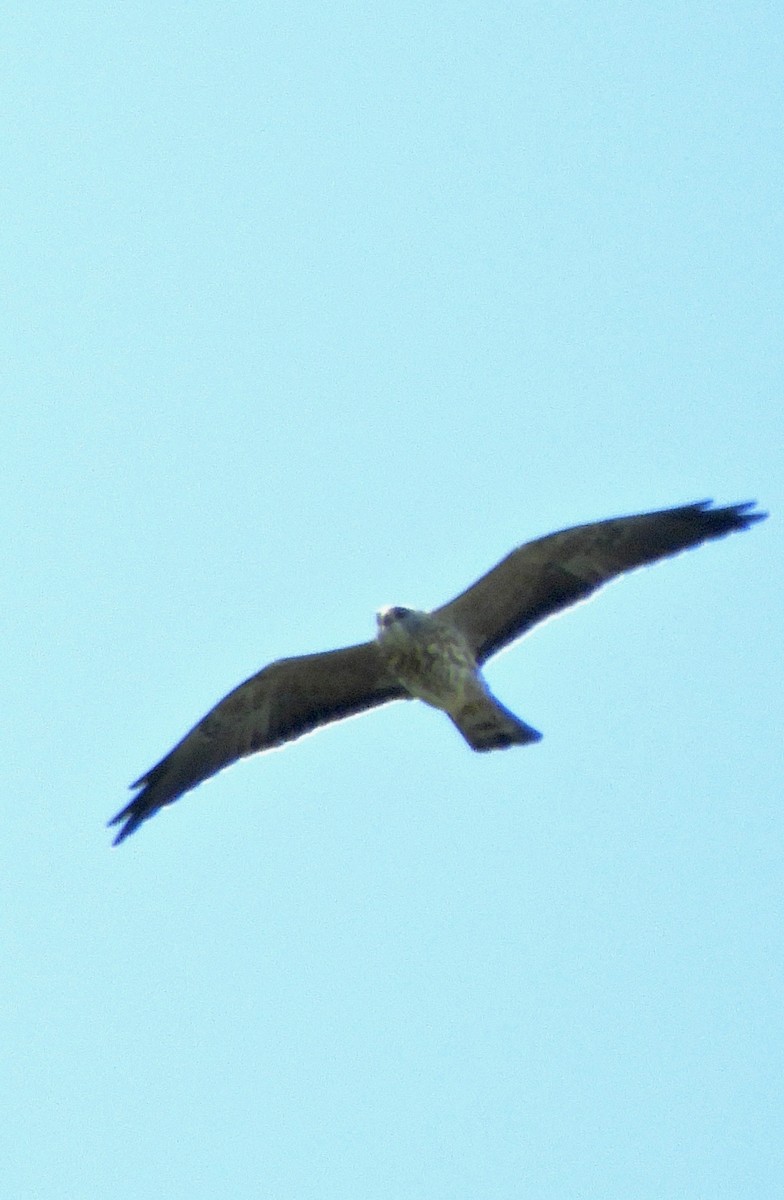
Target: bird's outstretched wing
(284, 701)
(542, 577)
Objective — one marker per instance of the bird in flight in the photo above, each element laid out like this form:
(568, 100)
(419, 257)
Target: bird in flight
(432, 656)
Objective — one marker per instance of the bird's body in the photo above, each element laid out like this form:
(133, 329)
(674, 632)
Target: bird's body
(429, 657)
(433, 661)
(435, 657)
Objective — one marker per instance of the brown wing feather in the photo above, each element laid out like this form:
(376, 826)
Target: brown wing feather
(547, 575)
(283, 701)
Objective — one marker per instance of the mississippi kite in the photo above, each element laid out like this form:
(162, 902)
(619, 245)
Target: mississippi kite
(435, 657)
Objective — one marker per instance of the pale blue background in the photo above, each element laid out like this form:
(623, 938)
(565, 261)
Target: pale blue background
(317, 307)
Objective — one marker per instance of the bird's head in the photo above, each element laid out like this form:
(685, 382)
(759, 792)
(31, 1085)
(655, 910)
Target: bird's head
(387, 617)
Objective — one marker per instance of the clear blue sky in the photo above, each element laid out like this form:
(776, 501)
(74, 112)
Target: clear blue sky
(315, 308)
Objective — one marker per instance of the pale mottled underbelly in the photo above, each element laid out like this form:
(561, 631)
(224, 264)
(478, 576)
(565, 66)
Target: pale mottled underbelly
(436, 668)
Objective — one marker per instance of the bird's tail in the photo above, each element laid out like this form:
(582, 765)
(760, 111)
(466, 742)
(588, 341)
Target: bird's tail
(487, 725)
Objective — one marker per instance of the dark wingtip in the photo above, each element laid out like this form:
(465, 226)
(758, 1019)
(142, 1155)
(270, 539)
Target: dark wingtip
(132, 823)
(746, 517)
(134, 815)
(730, 517)
(124, 832)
